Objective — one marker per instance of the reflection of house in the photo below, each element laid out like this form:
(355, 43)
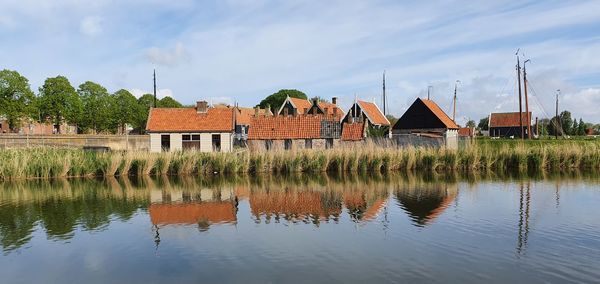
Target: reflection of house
(426, 123)
(294, 131)
(507, 124)
(295, 106)
(362, 208)
(295, 205)
(424, 204)
(192, 213)
(202, 128)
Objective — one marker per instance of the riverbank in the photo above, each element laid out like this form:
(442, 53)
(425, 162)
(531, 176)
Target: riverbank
(53, 163)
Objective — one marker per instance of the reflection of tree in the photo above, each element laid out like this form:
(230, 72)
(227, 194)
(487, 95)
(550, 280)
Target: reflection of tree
(425, 202)
(16, 225)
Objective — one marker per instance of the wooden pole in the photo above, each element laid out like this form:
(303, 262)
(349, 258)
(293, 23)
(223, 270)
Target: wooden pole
(557, 122)
(526, 100)
(384, 99)
(520, 99)
(454, 111)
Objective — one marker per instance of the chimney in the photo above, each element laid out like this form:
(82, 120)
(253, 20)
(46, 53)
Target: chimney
(334, 100)
(201, 106)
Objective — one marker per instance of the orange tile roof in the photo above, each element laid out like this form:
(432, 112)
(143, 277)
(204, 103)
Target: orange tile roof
(330, 109)
(245, 114)
(466, 132)
(192, 213)
(300, 104)
(287, 127)
(373, 113)
(299, 204)
(188, 120)
(353, 131)
(507, 119)
(441, 115)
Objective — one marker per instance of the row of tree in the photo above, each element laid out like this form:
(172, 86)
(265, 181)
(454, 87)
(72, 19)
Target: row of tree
(90, 107)
(564, 124)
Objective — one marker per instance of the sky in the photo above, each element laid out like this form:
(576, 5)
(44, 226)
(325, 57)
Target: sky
(242, 50)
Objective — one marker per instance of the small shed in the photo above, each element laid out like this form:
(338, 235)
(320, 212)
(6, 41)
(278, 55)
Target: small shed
(508, 124)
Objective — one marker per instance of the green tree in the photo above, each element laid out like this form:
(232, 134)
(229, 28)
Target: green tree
(97, 107)
(471, 123)
(16, 97)
(145, 102)
(566, 122)
(169, 102)
(319, 99)
(276, 100)
(59, 102)
(581, 127)
(125, 109)
(392, 119)
(484, 123)
(574, 128)
(543, 126)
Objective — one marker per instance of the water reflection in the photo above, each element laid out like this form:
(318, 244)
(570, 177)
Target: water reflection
(60, 208)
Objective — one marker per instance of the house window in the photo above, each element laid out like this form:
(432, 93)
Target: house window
(308, 143)
(287, 144)
(329, 143)
(269, 144)
(165, 142)
(216, 142)
(190, 142)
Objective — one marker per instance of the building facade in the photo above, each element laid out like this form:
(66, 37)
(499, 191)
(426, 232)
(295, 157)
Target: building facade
(203, 128)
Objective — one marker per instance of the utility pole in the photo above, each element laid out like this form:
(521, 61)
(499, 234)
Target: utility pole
(384, 99)
(526, 100)
(557, 121)
(454, 112)
(155, 88)
(520, 99)
(429, 89)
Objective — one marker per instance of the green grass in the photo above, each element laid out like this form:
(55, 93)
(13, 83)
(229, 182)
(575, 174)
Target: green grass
(495, 155)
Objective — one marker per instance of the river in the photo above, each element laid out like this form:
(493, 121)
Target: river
(432, 227)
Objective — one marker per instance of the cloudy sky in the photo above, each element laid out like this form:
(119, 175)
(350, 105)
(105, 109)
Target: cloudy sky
(243, 50)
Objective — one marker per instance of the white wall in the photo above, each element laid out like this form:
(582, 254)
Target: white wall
(155, 142)
(176, 144)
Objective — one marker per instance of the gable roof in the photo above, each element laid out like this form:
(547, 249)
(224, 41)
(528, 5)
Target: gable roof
(424, 114)
(373, 113)
(244, 114)
(189, 120)
(507, 119)
(302, 104)
(288, 127)
(353, 131)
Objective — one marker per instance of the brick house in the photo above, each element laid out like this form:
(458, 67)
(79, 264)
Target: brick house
(201, 128)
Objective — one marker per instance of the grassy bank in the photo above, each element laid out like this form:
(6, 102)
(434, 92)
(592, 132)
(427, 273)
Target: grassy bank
(50, 163)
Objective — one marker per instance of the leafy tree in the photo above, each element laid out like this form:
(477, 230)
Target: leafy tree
(145, 102)
(471, 123)
(566, 122)
(581, 128)
(554, 127)
(169, 102)
(373, 131)
(543, 126)
(97, 107)
(392, 119)
(16, 97)
(276, 100)
(484, 123)
(125, 108)
(59, 101)
(574, 128)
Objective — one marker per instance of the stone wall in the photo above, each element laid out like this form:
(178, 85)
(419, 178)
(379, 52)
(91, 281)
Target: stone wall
(114, 142)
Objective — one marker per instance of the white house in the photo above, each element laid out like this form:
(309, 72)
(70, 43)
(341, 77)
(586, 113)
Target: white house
(202, 128)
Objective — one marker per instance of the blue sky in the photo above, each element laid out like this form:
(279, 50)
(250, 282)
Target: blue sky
(242, 50)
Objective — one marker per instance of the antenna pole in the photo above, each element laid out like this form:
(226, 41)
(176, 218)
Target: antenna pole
(454, 102)
(384, 99)
(557, 122)
(155, 88)
(520, 99)
(429, 91)
(526, 100)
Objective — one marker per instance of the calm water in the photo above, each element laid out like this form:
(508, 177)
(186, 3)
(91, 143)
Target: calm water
(425, 228)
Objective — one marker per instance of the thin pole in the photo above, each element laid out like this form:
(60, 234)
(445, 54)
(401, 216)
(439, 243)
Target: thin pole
(520, 99)
(155, 88)
(454, 112)
(384, 100)
(557, 122)
(526, 100)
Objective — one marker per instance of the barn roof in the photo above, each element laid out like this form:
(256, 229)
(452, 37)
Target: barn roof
(507, 119)
(189, 120)
(425, 114)
(440, 114)
(373, 113)
(289, 127)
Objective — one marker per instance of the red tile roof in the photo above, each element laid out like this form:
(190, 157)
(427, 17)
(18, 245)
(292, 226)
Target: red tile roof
(189, 120)
(373, 113)
(507, 119)
(245, 114)
(330, 109)
(440, 114)
(300, 104)
(353, 131)
(286, 127)
(466, 132)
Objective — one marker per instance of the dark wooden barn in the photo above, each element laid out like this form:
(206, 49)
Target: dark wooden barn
(507, 124)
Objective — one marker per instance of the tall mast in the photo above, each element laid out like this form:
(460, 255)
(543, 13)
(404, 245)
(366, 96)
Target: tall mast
(520, 99)
(428, 91)
(454, 101)
(155, 88)
(557, 121)
(526, 100)
(384, 100)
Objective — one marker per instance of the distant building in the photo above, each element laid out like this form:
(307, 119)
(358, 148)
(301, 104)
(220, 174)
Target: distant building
(507, 124)
(426, 124)
(466, 132)
(294, 132)
(28, 126)
(370, 113)
(201, 128)
(295, 106)
(243, 120)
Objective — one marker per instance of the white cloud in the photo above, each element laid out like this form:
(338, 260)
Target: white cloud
(91, 26)
(167, 57)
